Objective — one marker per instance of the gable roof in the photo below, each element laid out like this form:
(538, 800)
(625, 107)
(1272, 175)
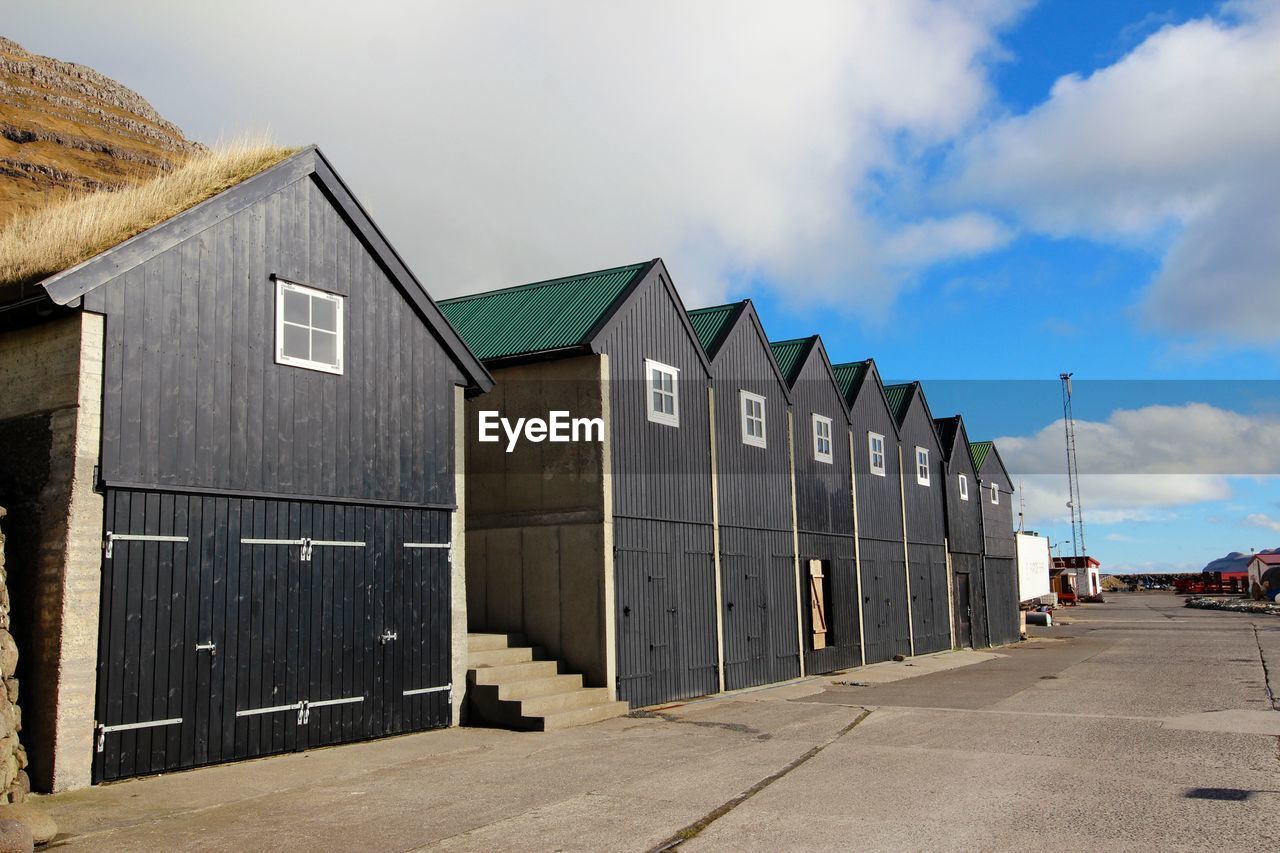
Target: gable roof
(856, 375)
(68, 286)
(849, 376)
(560, 316)
(984, 450)
(979, 450)
(899, 397)
(559, 313)
(791, 356)
(713, 324)
(948, 429)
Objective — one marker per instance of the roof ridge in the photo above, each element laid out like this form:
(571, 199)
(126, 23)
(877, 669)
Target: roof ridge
(567, 279)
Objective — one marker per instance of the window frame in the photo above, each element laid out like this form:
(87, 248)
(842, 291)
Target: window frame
(882, 470)
(963, 481)
(995, 494)
(672, 418)
(923, 472)
(284, 286)
(761, 440)
(818, 455)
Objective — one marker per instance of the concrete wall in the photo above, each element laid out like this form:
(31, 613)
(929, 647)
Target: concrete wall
(539, 538)
(51, 401)
(458, 557)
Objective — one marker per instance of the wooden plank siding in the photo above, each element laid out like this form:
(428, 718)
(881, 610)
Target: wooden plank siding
(195, 399)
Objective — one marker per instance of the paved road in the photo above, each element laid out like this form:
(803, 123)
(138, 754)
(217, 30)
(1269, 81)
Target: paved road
(1139, 725)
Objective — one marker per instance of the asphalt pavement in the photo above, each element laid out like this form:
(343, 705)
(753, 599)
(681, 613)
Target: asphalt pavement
(1140, 724)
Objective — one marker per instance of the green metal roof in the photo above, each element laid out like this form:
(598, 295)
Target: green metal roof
(979, 450)
(710, 324)
(789, 355)
(899, 397)
(848, 375)
(538, 317)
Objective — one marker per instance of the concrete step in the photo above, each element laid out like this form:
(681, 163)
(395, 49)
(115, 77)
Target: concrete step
(584, 716)
(529, 687)
(499, 657)
(488, 642)
(572, 700)
(513, 672)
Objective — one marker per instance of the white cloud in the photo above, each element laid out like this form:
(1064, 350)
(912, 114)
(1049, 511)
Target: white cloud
(1140, 464)
(503, 142)
(1179, 140)
(1258, 519)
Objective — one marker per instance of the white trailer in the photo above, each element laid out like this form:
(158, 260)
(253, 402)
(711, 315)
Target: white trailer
(1033, 566)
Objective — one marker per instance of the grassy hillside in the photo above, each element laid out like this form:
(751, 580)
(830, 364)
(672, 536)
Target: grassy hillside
(66, 128)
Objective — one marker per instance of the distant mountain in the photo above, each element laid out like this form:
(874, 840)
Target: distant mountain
(1235, 561)
(64, 127)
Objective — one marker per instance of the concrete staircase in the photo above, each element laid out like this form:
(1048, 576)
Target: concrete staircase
(508, 685)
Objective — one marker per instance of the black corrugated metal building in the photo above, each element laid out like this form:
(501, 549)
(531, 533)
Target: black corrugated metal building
(754, 490)
(829, 606)
(611, 566)
(924, 510)
(964, 535)
(881, 547)
(278, 472)
(999, 546)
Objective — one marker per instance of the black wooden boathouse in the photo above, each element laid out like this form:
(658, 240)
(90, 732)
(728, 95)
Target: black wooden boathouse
(754, 489)
(277, 468)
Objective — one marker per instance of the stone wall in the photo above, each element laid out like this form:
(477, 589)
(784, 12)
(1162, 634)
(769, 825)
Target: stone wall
(14, 784)
(50, 422)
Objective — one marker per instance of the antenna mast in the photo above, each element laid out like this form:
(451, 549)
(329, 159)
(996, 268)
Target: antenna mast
(1073, 475)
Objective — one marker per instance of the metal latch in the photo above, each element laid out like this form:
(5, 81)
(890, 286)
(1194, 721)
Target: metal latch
(110, 538)
(211, 648)
(304, 712)
(388, 636)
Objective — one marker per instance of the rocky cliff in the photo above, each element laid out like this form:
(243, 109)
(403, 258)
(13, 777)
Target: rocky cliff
(65, 127)
(1236, 561)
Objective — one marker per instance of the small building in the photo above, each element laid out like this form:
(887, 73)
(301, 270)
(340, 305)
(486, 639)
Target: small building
(881, 551)
(755, 536)
(1081, 573)
(1264, 576)
(996, 490)
(925, 524)
(964, 534)
(825, 538)
(233, 487)
(600, 551)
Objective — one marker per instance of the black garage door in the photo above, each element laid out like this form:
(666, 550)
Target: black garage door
(666, 611)
(237, 627)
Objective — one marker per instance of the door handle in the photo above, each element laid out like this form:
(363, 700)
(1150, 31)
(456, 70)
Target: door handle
(388, 636)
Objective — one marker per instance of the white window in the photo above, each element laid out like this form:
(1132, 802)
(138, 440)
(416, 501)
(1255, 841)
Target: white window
(964, 487)
(875, 442)
(308, 327)
(995, 493)
(822, 439)
(752, 419)
(660, 391)
(922, 466)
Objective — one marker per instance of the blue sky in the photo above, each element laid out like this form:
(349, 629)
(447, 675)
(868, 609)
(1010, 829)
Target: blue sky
(980, 194)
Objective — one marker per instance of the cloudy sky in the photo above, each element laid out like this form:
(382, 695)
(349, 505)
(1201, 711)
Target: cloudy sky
(979, 193)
